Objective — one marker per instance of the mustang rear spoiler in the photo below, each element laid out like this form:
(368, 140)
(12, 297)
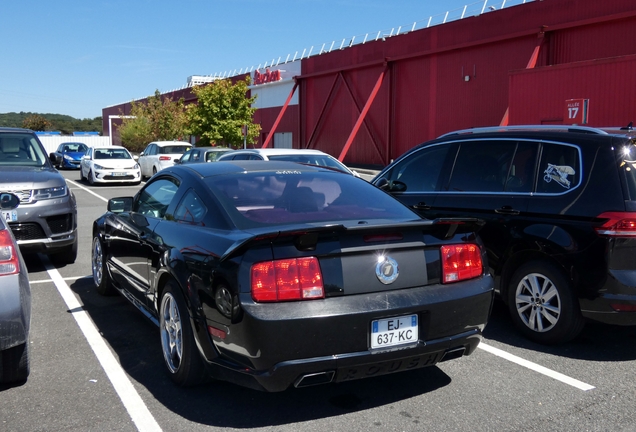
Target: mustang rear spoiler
(307, 236)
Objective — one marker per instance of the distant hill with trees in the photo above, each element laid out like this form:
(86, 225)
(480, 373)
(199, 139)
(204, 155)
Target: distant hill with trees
(54, 122)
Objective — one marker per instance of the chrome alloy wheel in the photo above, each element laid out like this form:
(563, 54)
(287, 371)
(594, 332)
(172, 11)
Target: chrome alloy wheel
(537, 302)
(97, 261)
(171, 333)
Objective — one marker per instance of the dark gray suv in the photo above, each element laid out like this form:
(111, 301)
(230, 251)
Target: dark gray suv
(46, 219)
(559, 212)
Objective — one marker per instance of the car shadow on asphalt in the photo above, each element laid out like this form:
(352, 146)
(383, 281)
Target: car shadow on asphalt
(135, 340)
(597, 341)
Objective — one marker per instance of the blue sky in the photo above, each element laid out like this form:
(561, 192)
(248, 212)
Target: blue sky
(76, 57)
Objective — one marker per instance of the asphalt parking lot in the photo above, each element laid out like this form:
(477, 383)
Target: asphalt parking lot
(96, 365)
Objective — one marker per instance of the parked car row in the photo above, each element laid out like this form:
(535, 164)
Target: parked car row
(243, 258)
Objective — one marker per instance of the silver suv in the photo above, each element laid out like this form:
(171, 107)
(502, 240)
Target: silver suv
(46, 219)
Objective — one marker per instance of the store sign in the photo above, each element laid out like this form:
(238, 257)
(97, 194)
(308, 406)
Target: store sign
(267, 77)
(576, 111)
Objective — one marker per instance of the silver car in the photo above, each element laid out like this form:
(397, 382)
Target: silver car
(46, 219)
(15, 303)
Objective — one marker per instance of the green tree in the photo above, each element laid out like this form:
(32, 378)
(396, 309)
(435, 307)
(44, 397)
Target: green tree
(221, 111)
(36, 122)
(155, 119)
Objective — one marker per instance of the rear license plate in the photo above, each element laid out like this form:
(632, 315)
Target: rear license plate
(118, 174)
(396, 331)
(10, 215)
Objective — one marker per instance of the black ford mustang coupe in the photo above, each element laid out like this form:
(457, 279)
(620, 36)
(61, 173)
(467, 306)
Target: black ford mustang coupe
(273, 274)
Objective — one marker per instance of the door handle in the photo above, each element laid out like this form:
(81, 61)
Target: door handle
(421, 206)
(507, 210)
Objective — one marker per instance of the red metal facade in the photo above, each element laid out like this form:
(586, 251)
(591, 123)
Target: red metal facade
(463, 74)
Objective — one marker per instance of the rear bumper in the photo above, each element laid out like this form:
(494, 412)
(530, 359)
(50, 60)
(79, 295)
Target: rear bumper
(279, 345)
(350, 366)
(615, 302)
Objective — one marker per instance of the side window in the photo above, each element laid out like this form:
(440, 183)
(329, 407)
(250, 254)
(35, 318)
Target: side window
(421, 171)
(242, 156)
(154, 199)
(482, 166)
(196, 155)
(521, 173)
(186, 156)
(559, 168)
(191, 209)
(256, 157)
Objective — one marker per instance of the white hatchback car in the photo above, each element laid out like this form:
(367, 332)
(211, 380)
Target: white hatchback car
(161, 154)
(109, 164)
(303, 156)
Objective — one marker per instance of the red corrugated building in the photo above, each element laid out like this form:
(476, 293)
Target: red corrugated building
(370, 102)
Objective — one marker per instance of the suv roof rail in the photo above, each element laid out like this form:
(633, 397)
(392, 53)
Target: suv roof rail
(557, 128)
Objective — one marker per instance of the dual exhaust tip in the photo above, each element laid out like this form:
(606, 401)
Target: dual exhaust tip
(326, 377)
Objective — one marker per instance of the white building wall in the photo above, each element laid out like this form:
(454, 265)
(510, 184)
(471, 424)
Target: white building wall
(51, 142)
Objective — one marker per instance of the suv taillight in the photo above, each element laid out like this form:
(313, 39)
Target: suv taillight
(618, 224)
(287, 280)
(9, 263)
(461, 262)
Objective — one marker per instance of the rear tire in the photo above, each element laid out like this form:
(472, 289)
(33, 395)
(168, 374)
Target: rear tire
(15, 364)
(180, 353)
(101, 278)
(542, 304)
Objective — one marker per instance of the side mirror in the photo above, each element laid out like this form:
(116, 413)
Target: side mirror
(120, 204)
(9, 201)
(136, 158)
(141, 154)
(54, 158)
(177, 161)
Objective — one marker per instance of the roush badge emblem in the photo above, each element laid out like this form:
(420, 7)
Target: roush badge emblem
(386, 270)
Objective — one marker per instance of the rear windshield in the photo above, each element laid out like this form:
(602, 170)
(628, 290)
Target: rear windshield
(213, 156)
(309, 159)
(174, 149)
(255, 199)
(21, 149)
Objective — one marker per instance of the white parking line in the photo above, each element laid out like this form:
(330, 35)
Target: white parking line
(87, 190)
(137, 409)
(535, 367)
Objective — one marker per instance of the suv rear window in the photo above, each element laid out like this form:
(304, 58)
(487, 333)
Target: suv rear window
(627, 168)
(175, 149)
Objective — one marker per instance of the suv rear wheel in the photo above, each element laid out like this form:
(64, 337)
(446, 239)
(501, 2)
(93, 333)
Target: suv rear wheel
(542, 305)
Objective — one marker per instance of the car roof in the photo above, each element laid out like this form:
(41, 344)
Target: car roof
(12, 129)
(170, 143)
(109, 147)
(211, 148)
(281, 151)
(243, 166)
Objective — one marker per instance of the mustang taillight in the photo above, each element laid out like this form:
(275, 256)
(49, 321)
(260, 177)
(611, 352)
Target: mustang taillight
(287, 280)
(460, 262)
(618, 224)
(9, 263)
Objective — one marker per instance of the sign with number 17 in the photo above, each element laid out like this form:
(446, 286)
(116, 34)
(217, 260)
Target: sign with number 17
(576, 111)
